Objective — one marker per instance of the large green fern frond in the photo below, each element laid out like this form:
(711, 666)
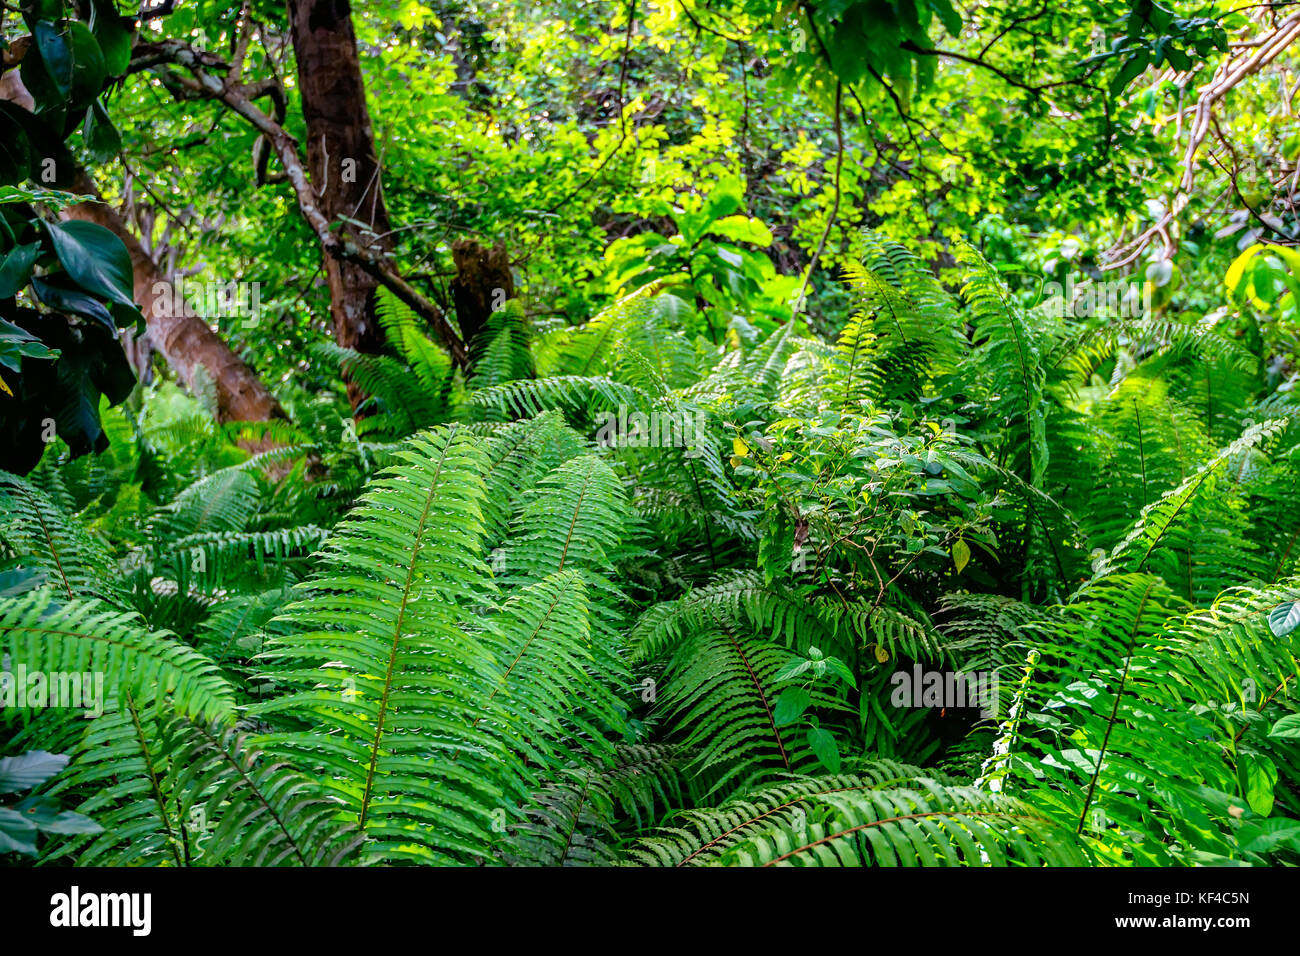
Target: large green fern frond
(90, 640)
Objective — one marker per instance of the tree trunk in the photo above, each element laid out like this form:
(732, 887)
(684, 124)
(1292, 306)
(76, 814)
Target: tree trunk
(342, 162)
(185, 341)
(482, 285)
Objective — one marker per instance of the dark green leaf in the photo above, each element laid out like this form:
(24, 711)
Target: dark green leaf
(95, 258)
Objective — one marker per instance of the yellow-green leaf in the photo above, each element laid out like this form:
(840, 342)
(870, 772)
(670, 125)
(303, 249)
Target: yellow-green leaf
(960, 554)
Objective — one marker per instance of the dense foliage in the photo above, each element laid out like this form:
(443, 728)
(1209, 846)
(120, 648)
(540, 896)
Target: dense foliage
(885, 454)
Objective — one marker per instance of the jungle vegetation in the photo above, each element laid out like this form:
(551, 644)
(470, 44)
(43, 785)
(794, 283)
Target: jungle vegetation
(649, 433)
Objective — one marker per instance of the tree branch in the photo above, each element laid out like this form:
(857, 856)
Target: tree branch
(239, 98)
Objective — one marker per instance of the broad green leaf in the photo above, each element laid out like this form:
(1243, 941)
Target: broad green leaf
(1287, 728)
(1257, 776)
(114, 38)
(72, 301)
(822, 743)
(95, 258)
(16, 269)
(17, 833)
(28, 770)
(960, 554)
(792, 669)
(17, 343)
(790, 705)
(1284, 618)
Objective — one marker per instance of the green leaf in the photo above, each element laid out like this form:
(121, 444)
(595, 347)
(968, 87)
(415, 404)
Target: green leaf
(960, 554)
(726, 198)
(1130, 71)
(1263, 836)
(822, 743)
(742, 229)
(793, 669)
(17, 343)
(29, 770)
(56, 55)
(1257, 776)
(49, 161)
(790, 705)
(948, 16)
(91, 362)
(841, 670)
(1284, 618)
(46, 815)
(101, 136)
(16, 269)
(15, 157)
(1287, 728)
(72, 301)
(72, 59)
(69, 69)
(95, 258)
(114, 38)
(17, 833)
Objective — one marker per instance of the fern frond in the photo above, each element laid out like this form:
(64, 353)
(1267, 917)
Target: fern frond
(43, 537)
(88, 639)
(576, 395)
(381, 670)
(886, 814)
(174, 792)
(1162, 518)
(429, 712)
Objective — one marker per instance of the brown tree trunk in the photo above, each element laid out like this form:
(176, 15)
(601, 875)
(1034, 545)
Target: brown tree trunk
(482, 285)
(342, 162)
(185, 341)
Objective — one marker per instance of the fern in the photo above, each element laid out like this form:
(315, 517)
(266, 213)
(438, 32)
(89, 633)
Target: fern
(40, 537)
(87, 638)
(175, 792)
(887, 814)
(421, 700)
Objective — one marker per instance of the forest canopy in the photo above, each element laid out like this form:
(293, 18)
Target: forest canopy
(649, 433)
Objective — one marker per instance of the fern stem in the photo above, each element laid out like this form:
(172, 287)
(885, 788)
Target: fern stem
(740, 652)
(1281, 561)
(1114, 708)
(254, 788)
(573, 522)
(785, 806)
(49, 539)
(154, 786)
(704, 517)
(523, 650)
(397, 632)
(577, 816)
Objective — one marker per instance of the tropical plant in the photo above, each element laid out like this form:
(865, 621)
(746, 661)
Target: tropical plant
(527, 643)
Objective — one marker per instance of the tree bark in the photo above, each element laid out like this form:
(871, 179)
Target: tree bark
(482, 284)
(342, 162)
(336, 242)
(185, 341)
